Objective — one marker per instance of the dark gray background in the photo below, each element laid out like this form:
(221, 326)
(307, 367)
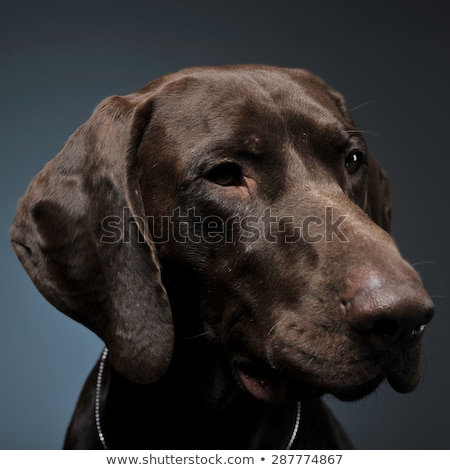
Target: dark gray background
(59, 59)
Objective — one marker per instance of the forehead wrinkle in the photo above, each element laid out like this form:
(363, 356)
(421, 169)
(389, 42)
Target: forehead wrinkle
(209, 151)
(272, 110)
(253, 113)
(313, 123)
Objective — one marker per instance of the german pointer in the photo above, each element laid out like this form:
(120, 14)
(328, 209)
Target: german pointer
(224, 231)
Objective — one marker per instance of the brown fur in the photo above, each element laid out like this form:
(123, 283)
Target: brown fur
(275, 281)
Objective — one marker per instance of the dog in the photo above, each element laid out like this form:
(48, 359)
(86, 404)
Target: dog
(225, 231)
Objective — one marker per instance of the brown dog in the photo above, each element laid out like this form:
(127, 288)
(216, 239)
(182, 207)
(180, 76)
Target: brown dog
(224, 232)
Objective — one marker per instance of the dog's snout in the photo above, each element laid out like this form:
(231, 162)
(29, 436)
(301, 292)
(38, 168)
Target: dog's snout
(392, 315)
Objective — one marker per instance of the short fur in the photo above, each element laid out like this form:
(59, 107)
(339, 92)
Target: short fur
(224, 231)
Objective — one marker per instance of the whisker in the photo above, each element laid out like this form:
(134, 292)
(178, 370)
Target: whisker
(362, 105)
(269, 350)
(418, 263)
(187, 338)
(357, 131)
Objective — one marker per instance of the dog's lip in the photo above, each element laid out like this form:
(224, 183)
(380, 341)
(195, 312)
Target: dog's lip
(264, 385)
(400, 369)
(403, 378)
(402, 384)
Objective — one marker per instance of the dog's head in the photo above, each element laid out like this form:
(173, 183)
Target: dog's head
(248, 192)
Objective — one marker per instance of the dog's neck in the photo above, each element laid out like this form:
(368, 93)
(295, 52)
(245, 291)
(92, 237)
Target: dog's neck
(200, 414)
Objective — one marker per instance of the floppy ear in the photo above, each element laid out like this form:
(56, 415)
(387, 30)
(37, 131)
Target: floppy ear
(80, 233)
(378, 203)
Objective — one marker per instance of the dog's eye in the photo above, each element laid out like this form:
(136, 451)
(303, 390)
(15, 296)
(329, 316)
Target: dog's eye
(354, 160)
(226, 174)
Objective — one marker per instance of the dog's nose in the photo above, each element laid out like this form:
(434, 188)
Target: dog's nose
(392, 315)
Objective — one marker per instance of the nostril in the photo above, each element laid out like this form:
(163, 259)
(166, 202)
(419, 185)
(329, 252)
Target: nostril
(386, 333)
(383, 334)
(391, 331)
(386, 328)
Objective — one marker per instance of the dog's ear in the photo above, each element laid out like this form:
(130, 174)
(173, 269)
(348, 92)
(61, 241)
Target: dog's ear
(378, 202)
(80, 232)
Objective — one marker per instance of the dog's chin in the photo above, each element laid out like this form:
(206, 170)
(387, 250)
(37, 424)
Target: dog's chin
(401, 383)
(268, 385)
(274, 388)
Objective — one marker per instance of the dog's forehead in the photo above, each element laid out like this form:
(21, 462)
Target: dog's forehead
(234, 87)
(246, 105)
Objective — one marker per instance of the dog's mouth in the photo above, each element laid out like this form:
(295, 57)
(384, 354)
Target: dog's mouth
(262, 383)
(271, 387)
(403, 375)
